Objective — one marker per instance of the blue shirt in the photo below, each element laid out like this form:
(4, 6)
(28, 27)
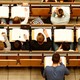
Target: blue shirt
(55, 73)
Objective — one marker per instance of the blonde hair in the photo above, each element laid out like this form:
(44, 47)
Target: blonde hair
(1, 45)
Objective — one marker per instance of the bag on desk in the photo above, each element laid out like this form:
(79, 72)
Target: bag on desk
(37, 20)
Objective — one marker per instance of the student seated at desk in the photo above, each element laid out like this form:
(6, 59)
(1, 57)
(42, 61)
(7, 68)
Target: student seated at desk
(57, 71)
(40, 44)
(64, 46)
(5, 45)
(60, 15)
(18, 20)
(19, 45)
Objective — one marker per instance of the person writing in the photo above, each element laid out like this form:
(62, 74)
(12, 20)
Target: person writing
(57, 71)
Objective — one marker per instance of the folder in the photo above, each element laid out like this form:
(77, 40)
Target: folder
(36, 31)
(19, 35)
(48, 61)
(19, 11)
(61, 35)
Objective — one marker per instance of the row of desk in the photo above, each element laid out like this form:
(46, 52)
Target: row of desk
(35, 58)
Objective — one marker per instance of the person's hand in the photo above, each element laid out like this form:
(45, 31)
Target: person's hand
(4, 34)
(45, 32)
(24, 4)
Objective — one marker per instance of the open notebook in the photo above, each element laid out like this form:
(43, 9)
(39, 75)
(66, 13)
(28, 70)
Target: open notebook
(1, 37)
(18, 34)
(48, 61)
(4, 12)
(19, 11)
(61, 35)
(36, 31)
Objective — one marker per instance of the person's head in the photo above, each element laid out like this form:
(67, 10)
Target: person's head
(56, 58)
(16, 20)
(60, 12)
(17, 45)
(65, 46)
(40, 38)
(1, 45)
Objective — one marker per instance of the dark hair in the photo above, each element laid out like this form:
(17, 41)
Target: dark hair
(65, 46)
(56, 58)
(60, 11)
(40, 37)
(17, 45)
(16, 20)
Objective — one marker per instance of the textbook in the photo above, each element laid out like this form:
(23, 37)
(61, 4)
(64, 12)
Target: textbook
(4, 12)
(19, 35)
(19, 11)
(36, 31)
(1, 36)
(48, 61)
(61, 35)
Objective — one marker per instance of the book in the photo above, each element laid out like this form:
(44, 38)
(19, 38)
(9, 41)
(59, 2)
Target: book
(19, 11)
(19, 35)
(61, 35)
(48, 60)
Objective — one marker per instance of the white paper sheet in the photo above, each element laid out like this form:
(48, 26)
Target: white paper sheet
(19, 11)
(4, 12)
(61, 35)
(18, 34)
(48, 61)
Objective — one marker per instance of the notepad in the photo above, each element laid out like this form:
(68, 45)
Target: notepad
(18, 34)
(36, 31)
(19, 11)
(4, 12)
(48, 61)
(1, 37)
(61, 35)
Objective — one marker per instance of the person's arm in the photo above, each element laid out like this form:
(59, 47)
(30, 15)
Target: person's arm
(7, 42)
(26, 14)
(45, 32)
